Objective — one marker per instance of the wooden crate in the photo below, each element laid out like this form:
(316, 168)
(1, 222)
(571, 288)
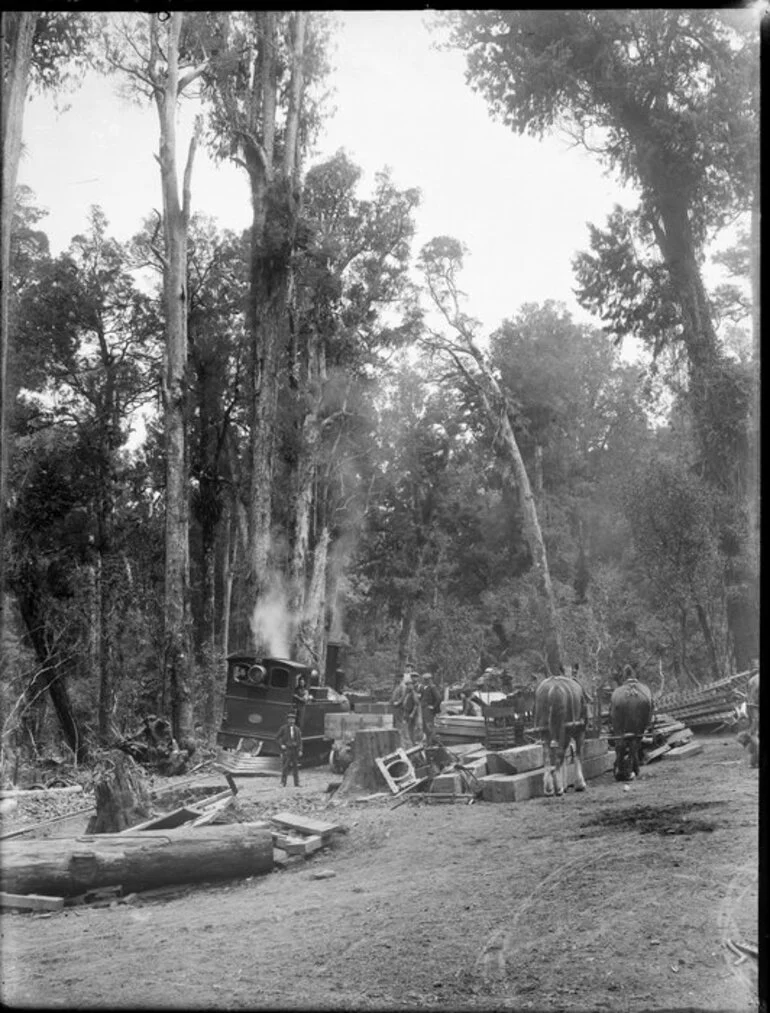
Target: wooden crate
(503, 726)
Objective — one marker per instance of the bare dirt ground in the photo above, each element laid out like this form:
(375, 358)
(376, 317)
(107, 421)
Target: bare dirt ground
(615, 899)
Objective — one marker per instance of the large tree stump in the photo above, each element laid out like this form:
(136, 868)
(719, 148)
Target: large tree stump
(66, 867)
(363, 775)
(122, 796)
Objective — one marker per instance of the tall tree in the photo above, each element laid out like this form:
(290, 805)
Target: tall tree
(217, 285)
(91, 341)
(162, 64)
(40, 48)
(261, 117)
(669, 99)
(441, 261)
(353, 271)
(18, 29)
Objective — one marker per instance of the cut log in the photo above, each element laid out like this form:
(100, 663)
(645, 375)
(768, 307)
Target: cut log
(363, 775)
(122, 796)
(66, 867)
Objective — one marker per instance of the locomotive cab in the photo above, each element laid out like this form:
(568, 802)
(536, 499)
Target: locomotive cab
(260, 693)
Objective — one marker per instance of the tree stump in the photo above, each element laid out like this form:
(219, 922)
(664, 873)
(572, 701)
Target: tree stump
(122, 796)
(363, 775)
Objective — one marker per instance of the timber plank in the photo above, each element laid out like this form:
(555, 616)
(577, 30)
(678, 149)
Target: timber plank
(683, 752)
(655, 754)
(298, 845)
(306, 825)
(167, 821)
(30, 902)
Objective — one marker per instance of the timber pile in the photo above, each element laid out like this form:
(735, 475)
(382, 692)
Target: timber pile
(668, 738)
(465, 772)
(297, 835)
(459, 729)
(708, 706)
(243, 765)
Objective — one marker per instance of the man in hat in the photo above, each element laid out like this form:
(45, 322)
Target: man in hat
(289, 740)
(430, 705)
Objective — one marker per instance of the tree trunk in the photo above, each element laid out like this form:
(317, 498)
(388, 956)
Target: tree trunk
(178, 653)
(313, 626)
(363, 774)
(497, 412)
(140, 861)
(15, 82)
(708, 636)
(406, 637)
(534, 537)
(122, 796)
(50, 676)
(302, 505)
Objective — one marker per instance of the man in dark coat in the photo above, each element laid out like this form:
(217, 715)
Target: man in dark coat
(430, 704)
(289, 740)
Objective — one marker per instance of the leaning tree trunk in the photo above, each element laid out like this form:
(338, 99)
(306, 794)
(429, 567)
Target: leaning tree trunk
(51, 675)
(534, 537)
(492, 396)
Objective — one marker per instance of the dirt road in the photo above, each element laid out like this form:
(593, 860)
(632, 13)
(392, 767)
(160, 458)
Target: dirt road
(616, 899)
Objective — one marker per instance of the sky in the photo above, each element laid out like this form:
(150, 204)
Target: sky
(520, 205)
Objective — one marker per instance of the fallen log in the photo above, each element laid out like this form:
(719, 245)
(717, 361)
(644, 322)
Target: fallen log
(66, 867)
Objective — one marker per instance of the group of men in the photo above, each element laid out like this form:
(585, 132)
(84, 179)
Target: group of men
(416, 700)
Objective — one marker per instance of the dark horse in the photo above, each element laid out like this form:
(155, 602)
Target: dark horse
(631, 710)
(561, 715)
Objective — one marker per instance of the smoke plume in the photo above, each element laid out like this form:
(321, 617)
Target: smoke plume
(271, 624)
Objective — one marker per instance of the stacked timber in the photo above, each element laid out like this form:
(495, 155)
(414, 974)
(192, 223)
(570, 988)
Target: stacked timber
(343, 727)
(507, 775)
(245, 765)
(454, 729)
(670, 738)
(708, 706)
(295, 834)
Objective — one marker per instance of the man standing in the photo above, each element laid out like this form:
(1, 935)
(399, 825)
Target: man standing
(289, 739)
(411, 711)
(430, 704)
(397, 700)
